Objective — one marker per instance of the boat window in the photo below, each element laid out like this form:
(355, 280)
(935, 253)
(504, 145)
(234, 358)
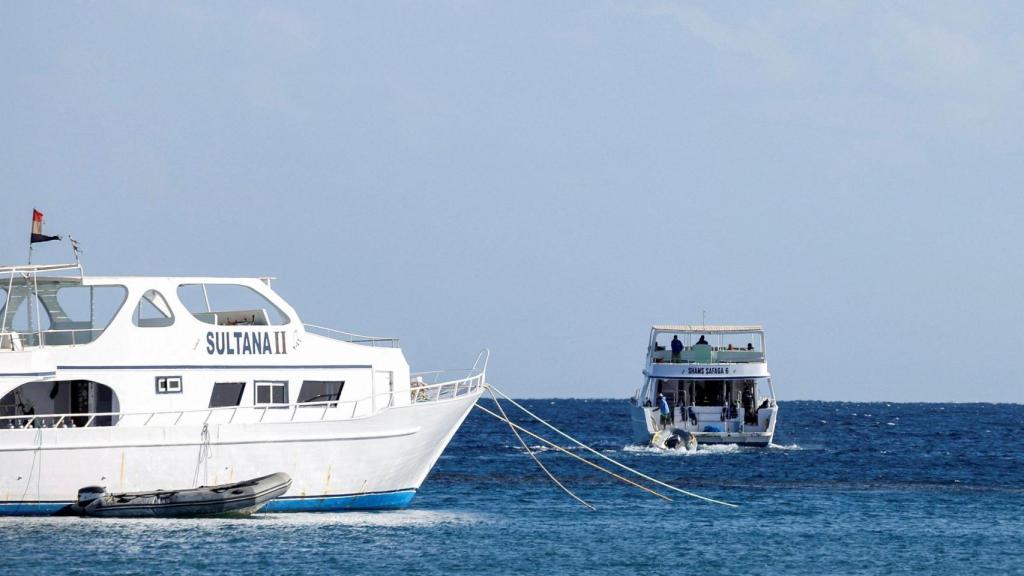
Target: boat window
(226, 394)
(168, 384)
(27, 314)
(268, 392)
(64, 311)
(230, 305)
(95, 304)
(61, 404)
(320, 391)
(152, 311)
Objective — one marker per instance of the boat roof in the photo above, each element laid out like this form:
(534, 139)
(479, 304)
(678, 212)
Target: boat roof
(35, 268)
(42, 268)
(708, 328)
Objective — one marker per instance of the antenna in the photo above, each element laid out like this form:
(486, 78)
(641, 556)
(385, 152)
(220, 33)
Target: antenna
(703, 319)
(75, 248)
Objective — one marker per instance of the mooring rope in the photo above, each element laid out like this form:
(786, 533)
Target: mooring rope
(537, 460)
(612, 460)
(577, 456)
(204, 457)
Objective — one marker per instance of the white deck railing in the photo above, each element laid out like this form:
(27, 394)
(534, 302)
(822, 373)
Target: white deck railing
(265, 413)
(350, 337)
(17, 341)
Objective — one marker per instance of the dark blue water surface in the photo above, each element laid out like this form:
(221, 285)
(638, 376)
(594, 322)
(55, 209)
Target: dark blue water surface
(849, 489)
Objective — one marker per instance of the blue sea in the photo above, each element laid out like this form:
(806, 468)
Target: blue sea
(849, 488)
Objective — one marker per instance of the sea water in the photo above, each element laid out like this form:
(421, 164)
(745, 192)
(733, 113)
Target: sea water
(847, 488)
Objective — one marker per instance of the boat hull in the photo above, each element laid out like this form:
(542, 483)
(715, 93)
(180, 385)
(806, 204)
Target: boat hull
(371, 463)
(755, 439)
(646, 426)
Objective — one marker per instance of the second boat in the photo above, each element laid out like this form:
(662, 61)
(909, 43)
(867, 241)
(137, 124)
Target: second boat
(705, 383)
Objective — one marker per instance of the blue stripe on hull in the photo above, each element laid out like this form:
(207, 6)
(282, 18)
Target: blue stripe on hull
(31, 508)
(371, 501)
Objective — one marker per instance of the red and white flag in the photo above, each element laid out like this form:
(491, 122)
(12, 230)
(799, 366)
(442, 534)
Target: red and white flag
(37, 229)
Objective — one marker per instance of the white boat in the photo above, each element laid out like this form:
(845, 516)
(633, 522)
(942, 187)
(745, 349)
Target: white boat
(715, 382)
(139, 382)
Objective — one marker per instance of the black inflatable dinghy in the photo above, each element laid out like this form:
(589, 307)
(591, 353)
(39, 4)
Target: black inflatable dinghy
(239, 498)
(674, 439)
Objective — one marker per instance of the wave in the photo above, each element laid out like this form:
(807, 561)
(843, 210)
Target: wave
(541, 448)
(718, 449)
(775, 446)
(143, 528)
(387, 519)
(702, 450)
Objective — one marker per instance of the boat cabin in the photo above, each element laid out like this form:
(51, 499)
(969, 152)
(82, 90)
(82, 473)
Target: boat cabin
(76, 344)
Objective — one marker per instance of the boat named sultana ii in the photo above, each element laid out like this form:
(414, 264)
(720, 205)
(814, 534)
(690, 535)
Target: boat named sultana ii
(705, 383)
(133, 382)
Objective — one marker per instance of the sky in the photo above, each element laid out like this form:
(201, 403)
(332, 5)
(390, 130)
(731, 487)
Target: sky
(548, 179)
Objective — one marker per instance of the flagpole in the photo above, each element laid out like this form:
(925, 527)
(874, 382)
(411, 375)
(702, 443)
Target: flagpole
(29, 310)
(30, 237)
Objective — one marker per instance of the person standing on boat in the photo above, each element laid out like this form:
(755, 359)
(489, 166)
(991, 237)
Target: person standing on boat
(677, 349)
(663, 408)
(748, 404)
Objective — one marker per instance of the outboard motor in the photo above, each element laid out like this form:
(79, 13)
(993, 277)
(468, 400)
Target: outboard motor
(689, 440)
(89, 493)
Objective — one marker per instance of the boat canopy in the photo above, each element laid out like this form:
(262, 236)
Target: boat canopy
(41, 305)
(37, 268)
(707, 329)
(723, 343)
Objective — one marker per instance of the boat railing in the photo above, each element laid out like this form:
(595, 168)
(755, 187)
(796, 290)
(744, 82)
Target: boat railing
(432, 377)
(18, 341)
(352, 338)
(713, 355)
(264, 413)
(713, 418)
(448, 390)
(425, 386)
(703, 420)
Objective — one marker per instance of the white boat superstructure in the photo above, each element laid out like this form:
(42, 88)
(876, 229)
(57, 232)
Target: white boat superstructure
(714, 381)
(136, 383)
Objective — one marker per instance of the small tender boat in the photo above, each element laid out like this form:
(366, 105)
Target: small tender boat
(240, 498)
(674, 439)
